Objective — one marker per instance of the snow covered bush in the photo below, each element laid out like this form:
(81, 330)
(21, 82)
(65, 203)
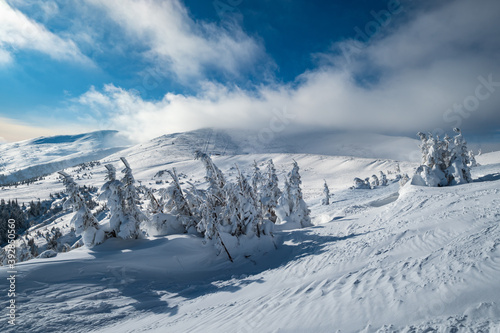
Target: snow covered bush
(444, 162)
(360, 184)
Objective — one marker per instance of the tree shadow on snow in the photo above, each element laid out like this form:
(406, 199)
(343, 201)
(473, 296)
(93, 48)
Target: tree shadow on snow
(488, 178)
(157, 291)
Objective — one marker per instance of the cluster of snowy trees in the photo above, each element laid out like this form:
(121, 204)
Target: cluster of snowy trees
(370, 182)
(445, 161)
(244, 208)
(122, 200)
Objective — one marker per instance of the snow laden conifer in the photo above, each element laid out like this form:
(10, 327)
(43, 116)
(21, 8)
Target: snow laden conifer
(383, 179)
(133, 216)
(112, 192)
(374, 181)
(326, 193)
(84, 221)
(214, 175)
(472, 159)
(176, 214)
(257, 181)
(444, 162)
(459, 170)
(270, 192)
(250, 213)
(292, 205)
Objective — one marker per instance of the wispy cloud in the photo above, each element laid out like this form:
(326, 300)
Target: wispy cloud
(19, 32)
(187, 48)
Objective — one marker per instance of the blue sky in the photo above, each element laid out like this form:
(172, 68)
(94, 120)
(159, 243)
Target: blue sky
(149, 67)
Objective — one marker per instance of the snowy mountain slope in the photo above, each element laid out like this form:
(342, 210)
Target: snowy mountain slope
(32, 158)
(177, 150)
(237, 142)
(416, 259)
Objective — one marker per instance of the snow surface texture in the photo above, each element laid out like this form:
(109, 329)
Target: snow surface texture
(415, 259)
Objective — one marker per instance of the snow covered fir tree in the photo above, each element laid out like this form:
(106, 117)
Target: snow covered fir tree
(85, 223)
(445, 161)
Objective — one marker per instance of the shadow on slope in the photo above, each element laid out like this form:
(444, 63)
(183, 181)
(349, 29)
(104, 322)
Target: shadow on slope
(148, 276)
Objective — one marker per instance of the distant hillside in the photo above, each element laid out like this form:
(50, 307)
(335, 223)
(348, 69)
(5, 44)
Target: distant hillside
(32, 158)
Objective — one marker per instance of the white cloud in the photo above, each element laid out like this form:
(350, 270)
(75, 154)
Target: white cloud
(186, 47)
(5, 57)
(17, 31)
(416, 73)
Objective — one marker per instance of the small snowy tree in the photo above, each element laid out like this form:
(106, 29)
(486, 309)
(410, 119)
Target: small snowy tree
(257, 179)
(214, 175)
(112, 192)
(84, 221)
(459, 169)
(472, 160)
(403, 180)
(326, 193)
(133, 216)
(383, 179)
(270, 192)
(374, 182)
(251, 215)
(292, 204)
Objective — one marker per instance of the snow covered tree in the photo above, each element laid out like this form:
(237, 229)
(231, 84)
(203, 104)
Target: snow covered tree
(360, 184)
(403, 180)
(84, 221)
(176, 213)
(210, 222)
(250, 213)
(444, 162)
(270, 192)
(472, 160)
(383, 179)
(133, 216)
(177, 202)
(214, 175)
(459, 168)
(284, 207)
(398, 169)
(326, 192)
(112, 192)
(257, 179)
(374, 182)
(291, 202)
